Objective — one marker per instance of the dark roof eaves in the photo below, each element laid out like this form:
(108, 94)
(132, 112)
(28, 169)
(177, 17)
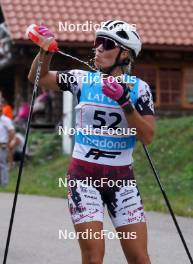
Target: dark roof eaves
(90, 44)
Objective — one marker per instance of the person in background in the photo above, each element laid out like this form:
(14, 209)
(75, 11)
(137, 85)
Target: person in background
(7, 109)
(43, 106)
(16, 146)
(7, 133)
(22, 115)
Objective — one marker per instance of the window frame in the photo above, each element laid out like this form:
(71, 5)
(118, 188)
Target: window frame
(185, 102)
(170, 66)
(146, 66)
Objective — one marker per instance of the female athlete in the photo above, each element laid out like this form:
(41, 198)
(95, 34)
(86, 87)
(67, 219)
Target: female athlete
(109, 104)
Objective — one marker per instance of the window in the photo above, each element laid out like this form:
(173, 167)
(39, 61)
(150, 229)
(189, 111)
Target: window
(148, 74)
(170, 86)
(188, 85)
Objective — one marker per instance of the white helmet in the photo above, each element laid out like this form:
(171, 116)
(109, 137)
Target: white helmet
(123, 33)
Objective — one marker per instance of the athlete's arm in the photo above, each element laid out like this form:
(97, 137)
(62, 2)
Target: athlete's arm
(47, 77)
(145, 126)
(140, 116)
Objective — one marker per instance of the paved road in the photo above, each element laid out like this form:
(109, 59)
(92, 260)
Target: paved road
(35, 236)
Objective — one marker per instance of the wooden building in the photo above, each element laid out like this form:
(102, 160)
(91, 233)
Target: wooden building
(166, 60)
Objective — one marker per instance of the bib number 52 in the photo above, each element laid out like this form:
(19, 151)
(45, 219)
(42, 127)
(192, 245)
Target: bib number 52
(101, 118)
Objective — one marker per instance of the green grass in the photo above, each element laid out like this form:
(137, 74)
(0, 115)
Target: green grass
(172, 152)
(41, 172)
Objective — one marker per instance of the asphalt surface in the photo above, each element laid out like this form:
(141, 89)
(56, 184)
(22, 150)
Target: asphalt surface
(35, 235)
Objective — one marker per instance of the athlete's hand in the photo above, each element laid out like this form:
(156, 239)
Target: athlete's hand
(118, 93)
(43, 37)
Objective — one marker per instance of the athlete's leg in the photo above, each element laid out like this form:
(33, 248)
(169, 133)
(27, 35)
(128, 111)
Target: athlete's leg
(126, 211)
(87, 210)
(134, 243)
(93, 247)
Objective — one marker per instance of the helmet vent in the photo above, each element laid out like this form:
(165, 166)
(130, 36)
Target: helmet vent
(107, 23)
(115, 25)
(122, 34)
(135, 34)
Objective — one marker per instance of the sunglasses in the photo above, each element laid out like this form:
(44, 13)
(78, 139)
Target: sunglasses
(108, 44)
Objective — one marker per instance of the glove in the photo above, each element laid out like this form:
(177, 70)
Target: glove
(118, 93)
(43, 37)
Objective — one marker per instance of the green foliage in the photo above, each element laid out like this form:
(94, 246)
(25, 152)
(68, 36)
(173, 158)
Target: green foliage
(171, 151)
(43, 169)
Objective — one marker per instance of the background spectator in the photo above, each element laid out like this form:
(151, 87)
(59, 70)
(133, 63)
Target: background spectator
(22, 114)
(7, 133)
(16, 145)
(7, 109)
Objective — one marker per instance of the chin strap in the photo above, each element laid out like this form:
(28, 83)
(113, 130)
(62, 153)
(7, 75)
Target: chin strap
(117, 63)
